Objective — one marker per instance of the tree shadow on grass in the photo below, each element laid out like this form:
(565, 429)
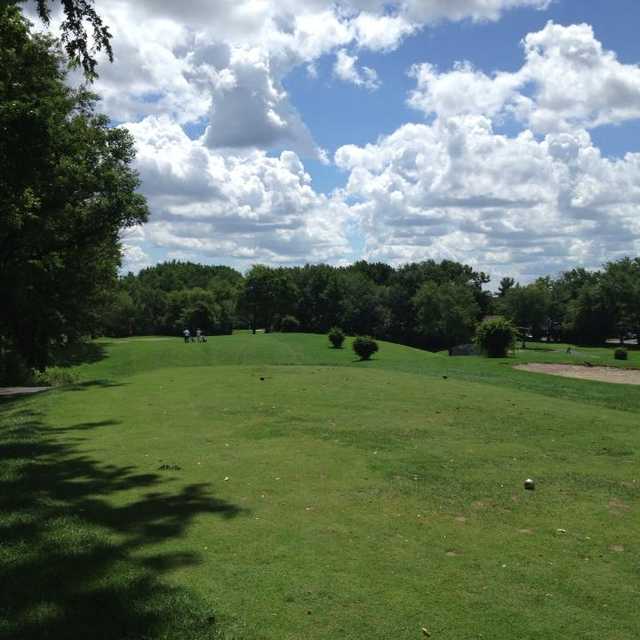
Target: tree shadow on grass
(74, 565)
(535, 347)
(77, 353)
(83, 386)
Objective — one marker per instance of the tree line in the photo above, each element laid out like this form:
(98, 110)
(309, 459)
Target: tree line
(430, 305)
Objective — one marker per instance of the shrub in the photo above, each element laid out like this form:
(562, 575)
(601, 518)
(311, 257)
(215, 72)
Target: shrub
(495, 336)
(365, 347)
(336, 337)
(620, 354)
(289, 324)
(54, 377)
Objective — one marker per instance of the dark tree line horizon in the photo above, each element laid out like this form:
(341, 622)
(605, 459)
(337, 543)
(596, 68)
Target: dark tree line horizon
(429, 305)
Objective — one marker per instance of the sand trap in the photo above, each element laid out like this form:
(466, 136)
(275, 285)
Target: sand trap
(603, 374)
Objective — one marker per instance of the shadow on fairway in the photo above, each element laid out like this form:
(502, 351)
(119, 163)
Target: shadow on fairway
(84, 426)
(80, 353)
(83, 386)
(73, 564)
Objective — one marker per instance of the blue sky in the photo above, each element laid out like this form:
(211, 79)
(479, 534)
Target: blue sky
(291, 131)
(334, 114)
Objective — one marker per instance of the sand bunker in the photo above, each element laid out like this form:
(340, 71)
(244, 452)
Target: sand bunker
(603, 374)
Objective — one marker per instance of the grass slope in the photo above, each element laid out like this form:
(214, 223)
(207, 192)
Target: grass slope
(175, 494)
(111, 360)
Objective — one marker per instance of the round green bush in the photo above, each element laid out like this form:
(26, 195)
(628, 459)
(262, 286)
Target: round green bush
(55, 377)
(365, 347)
(620, 354)
(336, 337)
(289, 324)
(495, 336)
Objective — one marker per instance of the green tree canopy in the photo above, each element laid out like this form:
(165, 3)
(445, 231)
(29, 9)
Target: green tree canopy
(505, 284)
(495, 336)
(577, 305)
(620, 292)
(362, 308)
(67, 190)
(81, 44)
(528, 307)
(267, 292)
(446, 312)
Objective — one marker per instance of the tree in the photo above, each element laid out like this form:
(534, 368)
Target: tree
(565, 292)
(378, 272)
(151, 310)
(555, 306)
(176, 275)
(406, 281)
(200, 312)
(318, 300)
(118, 317)
(588, 320)
(267, 292)
(527, 307)
(495, 336)
(80, 45)
(620, 290)
(66, 192)
(196, 309)
(446, 312)
(505, 285)
(363, 310)
(289, 324)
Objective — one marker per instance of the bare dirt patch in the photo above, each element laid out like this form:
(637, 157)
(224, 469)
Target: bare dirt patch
(602, 374)
(618, 507)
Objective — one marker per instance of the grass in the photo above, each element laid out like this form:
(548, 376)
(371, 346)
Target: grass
(269, 487)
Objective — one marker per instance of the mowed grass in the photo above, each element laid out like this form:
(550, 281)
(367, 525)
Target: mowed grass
(268, 487)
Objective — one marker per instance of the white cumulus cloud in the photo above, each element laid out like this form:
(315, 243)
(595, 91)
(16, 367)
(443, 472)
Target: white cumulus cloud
(529, 203)
(567, 80)
(346, 69)
(456, 189)
(233, 207)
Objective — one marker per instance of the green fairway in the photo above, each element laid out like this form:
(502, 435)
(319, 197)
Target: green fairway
(270, 487)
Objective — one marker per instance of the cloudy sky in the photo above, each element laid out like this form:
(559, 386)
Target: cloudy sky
(501, 133)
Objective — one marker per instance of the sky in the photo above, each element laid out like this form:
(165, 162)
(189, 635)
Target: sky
(504, 134)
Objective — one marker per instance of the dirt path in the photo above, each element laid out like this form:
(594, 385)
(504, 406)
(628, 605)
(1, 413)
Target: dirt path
(20, 391)
(602, 374)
